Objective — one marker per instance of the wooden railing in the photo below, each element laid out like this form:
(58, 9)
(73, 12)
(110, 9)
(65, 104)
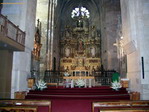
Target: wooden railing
(9, 30)
(104, 78)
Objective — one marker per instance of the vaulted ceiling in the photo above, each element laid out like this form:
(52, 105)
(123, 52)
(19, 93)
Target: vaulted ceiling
(65, 8)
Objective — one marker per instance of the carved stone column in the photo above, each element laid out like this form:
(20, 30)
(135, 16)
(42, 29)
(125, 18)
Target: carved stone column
(50, 32)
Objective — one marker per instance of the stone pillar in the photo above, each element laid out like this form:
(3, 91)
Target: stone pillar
(110, 12)
(50, 35)
(135, 29)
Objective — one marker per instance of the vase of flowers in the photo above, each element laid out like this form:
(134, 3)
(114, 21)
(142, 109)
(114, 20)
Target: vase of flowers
(116, 85)
(40, 85)
(80, 83)
(66, 74)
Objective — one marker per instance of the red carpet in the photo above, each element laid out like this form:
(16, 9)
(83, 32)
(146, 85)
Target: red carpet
(59, 105)
(77, 99)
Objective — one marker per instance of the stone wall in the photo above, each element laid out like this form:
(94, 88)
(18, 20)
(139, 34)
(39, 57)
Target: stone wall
(24, 16)
(135, 27)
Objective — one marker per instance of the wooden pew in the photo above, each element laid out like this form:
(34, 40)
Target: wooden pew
(121, 104)
(124, 110)
(18, 109)
(41, 104)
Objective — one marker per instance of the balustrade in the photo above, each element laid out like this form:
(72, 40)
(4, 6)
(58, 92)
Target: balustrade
(9, 30)
(104, 77)
(101, 77)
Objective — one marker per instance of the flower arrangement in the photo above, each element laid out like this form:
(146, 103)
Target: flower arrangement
(66, 74)
(40, 85)
(116, 85)
(80, 82)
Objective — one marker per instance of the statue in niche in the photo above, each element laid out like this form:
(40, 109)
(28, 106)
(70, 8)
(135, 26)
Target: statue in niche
(98, 33)
(93, 31)
(67, 52)
(80, 62)
(68, 31)
(93, 51)
(93, 69)
(80, 23)
(80, 45)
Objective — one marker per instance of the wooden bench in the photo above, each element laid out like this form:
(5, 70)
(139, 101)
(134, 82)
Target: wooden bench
(43, 105)
(119, 104)
(18, 109)
(124, 110)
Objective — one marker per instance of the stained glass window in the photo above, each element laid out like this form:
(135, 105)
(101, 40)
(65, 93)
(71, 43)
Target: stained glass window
(80, 12)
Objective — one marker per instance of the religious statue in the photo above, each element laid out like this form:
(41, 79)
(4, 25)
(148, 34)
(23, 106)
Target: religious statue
(80, 45)
(37, 37)
(37, 44)
(36, 51)
(93, 51)
(80, 23)
(67, 52)
(93, 31)
(68, 31)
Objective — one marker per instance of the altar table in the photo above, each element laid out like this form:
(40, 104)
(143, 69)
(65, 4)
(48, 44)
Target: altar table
(70, 81)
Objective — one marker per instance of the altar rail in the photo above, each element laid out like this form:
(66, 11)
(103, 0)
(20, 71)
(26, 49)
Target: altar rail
(101, 77)
(53, 77)
(11, 31)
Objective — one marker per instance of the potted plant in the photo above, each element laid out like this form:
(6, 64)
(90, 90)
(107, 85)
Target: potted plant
(40, 85)
(80, 83)
(66, 74)
(116, 85)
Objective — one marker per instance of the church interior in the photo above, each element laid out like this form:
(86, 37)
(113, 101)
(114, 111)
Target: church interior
(74, 55)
